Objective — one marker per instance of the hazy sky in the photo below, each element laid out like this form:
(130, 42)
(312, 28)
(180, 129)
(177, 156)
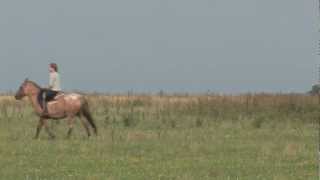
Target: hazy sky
(176, 45)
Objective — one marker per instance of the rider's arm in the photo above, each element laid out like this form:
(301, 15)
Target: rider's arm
(52, 80)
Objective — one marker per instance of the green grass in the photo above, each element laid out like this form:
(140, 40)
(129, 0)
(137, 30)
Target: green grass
(144, 139)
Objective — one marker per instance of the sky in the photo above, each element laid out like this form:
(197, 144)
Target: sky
(223, 46)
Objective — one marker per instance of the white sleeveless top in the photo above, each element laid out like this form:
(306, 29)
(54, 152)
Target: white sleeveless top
(54, 81)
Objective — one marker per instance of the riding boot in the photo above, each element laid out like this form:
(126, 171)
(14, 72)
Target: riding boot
(44, 106)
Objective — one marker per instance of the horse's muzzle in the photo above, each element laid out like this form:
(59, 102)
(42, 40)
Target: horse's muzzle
(17, 97)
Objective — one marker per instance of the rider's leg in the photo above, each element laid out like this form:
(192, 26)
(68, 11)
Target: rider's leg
(44, 103)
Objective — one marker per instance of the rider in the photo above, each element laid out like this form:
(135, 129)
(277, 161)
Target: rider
(53, 89)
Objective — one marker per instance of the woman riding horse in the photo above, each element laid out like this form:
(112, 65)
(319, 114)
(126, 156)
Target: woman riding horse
(65, 106)
(54, 88)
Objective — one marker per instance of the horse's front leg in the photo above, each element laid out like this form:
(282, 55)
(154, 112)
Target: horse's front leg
(45, 123)
(39, 127)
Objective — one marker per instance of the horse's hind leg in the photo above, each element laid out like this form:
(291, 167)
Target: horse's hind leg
(39, 127)
(45, 123)
(70, 124)
(86, 113)
(85, 125)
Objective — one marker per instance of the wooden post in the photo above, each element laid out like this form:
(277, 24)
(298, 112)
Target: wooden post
(318, 93)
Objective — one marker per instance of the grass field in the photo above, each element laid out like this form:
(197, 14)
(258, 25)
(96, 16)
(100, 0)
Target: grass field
(168, 137)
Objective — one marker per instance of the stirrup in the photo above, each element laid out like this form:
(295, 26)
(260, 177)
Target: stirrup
(44, 114)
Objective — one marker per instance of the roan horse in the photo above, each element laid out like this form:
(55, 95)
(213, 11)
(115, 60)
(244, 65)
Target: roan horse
(63, 106)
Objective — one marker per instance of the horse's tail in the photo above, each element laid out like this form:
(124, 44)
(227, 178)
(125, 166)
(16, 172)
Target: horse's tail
(87, 114)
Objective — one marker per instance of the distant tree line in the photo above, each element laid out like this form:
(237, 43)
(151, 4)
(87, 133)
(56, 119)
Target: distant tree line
(315, 89)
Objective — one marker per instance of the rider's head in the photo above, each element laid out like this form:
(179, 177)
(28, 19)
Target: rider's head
(53, 67)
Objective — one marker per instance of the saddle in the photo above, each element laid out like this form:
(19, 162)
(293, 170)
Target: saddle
(48, 95)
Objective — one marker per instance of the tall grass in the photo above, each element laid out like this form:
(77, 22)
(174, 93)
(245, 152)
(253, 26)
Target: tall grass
(197, 110)
(180, 136)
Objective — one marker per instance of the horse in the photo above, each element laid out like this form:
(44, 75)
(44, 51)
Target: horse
(67, 106)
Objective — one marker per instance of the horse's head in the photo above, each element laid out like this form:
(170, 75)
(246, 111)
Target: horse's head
(26, 88)
(21, 91)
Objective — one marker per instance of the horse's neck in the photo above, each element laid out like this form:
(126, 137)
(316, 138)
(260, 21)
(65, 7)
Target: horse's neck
(35, 104)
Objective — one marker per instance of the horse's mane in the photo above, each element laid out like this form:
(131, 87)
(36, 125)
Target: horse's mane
(35, 84)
